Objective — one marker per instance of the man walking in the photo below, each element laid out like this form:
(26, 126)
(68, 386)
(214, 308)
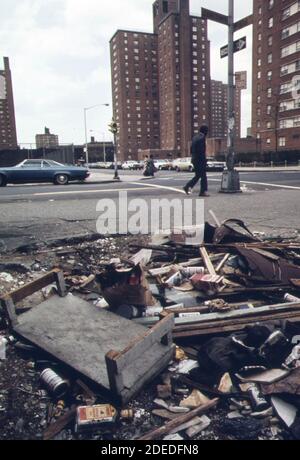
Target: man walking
(198, 151)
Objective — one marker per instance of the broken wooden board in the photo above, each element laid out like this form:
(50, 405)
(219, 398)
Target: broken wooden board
(82, 336)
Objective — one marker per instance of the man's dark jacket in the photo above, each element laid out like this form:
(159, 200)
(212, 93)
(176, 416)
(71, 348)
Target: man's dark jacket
(198, 149)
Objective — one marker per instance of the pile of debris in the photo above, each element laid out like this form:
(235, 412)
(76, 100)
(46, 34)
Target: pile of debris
(232, 306)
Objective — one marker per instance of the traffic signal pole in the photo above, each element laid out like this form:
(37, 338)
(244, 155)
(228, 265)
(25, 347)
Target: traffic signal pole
(113, 128)
(116, 176)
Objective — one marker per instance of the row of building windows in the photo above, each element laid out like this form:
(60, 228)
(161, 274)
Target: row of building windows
(291, 10)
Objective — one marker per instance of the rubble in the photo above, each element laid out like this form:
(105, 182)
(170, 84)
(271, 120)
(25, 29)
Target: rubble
(236, 302)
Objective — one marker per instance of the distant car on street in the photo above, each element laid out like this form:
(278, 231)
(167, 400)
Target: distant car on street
(138, 165)
(163, 165)
(132, 165)
(32, 171)
(128, 165)
(213, 165)
(183, 164)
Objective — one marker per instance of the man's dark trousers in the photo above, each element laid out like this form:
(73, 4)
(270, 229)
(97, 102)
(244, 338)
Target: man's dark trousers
(200, 174)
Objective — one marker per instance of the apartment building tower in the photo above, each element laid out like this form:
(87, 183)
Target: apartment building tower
(161, 82)
(8, 132)
(219, 112)
(135, 92)
(219, 106)
(276, 74)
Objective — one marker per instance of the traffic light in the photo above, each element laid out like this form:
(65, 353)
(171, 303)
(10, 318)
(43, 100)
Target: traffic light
(113, 127)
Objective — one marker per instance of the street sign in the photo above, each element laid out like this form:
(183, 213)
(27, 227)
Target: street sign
(241, 80)
(239, 45)
(213, 16)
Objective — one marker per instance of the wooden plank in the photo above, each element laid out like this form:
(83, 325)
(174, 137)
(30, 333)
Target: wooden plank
(115, 379)
(213, 215)
(222, 263)
(212, 329)
(88, 393)
(207, 261)
(203, 388)
(9, 306)
(140, 345)
(209, 317)
(55, 428)
(60, 283)
(153, 370)
(168, 427)
(37, 285)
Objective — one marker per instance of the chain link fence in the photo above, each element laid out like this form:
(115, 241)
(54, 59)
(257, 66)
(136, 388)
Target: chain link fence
(64, 153)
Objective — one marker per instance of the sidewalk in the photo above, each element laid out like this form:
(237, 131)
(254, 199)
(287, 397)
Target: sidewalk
(268, 169)
(103, 178)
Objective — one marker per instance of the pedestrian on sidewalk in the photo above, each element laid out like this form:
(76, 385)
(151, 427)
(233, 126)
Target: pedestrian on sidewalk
(199, 161)
(149, 169)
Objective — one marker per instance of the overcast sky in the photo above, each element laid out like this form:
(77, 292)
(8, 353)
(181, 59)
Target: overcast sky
(59, 56)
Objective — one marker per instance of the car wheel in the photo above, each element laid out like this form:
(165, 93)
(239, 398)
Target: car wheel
(191, 168)
(3, 181)
(61, 179)
(177, 169)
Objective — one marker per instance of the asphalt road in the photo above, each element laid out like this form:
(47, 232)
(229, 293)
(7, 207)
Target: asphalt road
(42, 192)
(269, 202)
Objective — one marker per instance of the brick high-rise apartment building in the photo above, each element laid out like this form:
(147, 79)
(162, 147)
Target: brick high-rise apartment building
(8, 133)
(135, 92)
(219, 104)
(276, 67)
(161, 82)
(219, 113)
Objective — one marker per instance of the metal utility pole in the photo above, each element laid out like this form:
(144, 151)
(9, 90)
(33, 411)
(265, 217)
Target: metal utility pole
(85, 129)
(104, 148)
(230, 178)
(231, 108)
(86, 138)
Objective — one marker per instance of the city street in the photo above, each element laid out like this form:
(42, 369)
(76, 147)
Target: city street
(39, 213)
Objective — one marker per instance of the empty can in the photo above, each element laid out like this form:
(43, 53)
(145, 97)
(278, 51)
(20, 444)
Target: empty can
(54, 383)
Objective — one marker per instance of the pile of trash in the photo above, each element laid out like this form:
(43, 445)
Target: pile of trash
(234, 303)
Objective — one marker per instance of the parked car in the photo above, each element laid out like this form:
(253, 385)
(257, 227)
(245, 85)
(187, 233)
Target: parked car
(163, 165)
(137, 165)
(128, 165)
(30, 171)
(183, 164)
(109, 165)
(213, 165)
